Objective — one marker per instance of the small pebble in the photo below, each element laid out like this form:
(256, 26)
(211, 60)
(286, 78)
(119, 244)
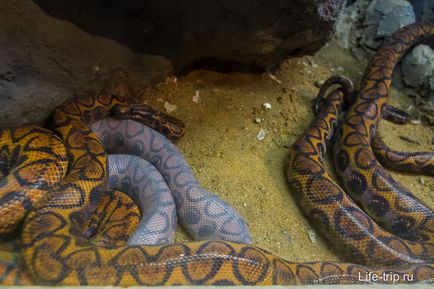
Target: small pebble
(312, 236)
(266, 105)
(421, 181)
(410, 140)
(196, 97)
(245, 204)
(273, 77)
(318, 83)
(257, 120)
(288, 236)
(95, 69)
(261, 134)
(169, 107)
(170, 79)
(415, 121)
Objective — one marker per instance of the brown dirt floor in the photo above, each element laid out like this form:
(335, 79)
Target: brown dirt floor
(222, 148)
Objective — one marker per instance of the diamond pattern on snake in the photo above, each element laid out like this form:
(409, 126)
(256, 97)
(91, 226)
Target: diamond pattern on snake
(57, 247)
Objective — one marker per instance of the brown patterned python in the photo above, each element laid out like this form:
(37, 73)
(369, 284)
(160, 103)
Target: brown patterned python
(38, 160)
(413, 162)
(390, 204)
(55, 251)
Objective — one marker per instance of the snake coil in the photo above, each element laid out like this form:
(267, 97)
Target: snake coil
(55, 250)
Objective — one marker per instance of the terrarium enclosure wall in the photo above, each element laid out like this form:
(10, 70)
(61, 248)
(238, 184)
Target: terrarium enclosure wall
(232, 86)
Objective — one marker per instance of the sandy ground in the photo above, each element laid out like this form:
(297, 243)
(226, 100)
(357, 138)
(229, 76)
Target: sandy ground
(222, 148)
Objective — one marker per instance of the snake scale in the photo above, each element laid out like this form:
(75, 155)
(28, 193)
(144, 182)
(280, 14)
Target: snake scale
(114, 221)
(143, 183)
(202, 214)
(55, 251)
(390, 204)
(38, 159)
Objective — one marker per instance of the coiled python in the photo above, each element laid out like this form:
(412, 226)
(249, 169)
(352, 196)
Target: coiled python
(390, 204)
(143, 183)
(37, 158)
(55, 251)
(202, 214)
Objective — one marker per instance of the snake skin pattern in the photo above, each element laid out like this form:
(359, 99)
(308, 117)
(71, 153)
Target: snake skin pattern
(411, 162)
(37, 158)
(113, 222)
(56, 252)
(389, 203)
(32, 160)
(11, 266)
(330, 208)
(204, 215)
(170, 127)
(414, 162)
(395, 115)
(144, 184)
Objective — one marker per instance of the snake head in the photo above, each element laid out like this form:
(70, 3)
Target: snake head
(170, 127)
(395, 115)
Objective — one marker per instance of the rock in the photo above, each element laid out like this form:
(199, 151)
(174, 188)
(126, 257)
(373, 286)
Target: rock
(312, 236)
(349, 2)
(418, 7)
(348, 28)
(423, 9)
(418, 67)
(383, 18)
(365, 24)
(261, 134)
(223, 35)
(46, 60)
(428, 11)
(426, 112)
